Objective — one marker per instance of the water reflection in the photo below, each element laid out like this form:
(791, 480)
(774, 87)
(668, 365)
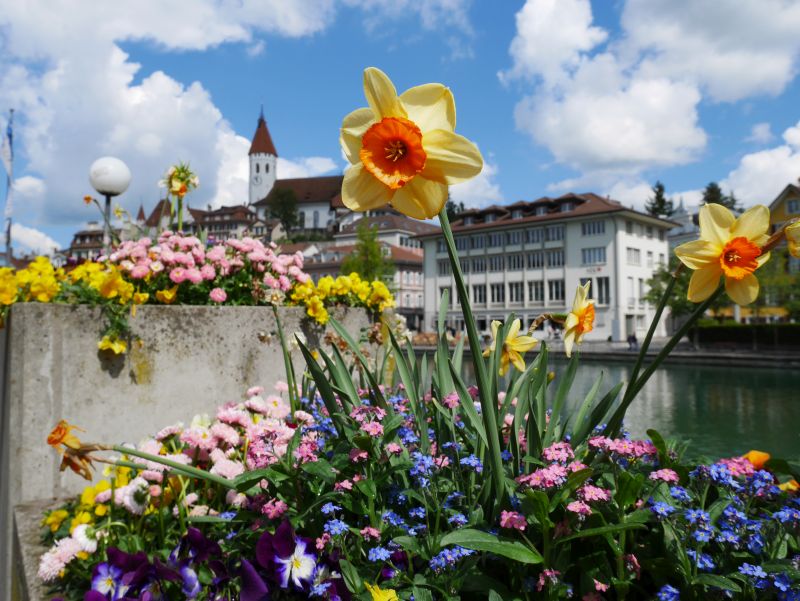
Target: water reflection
(720, 411)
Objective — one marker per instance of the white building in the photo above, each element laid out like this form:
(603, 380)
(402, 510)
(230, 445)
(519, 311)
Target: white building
(529, 257)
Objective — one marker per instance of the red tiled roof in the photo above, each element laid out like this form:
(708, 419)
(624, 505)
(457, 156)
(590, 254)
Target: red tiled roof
(262, 141)
(391, 222)
(584, 204)
(326, 188)
(156, 213)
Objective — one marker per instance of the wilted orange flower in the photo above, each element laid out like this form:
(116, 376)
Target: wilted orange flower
(757, 458)
(88, 199)
(62, 434)
(78, 462)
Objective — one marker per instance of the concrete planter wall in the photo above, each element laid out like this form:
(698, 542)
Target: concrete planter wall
(191, 360)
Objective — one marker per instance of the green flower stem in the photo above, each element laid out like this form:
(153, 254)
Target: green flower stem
(614, 424)
(488, 405)
(180, 468)
(287, 362)
(646, 344)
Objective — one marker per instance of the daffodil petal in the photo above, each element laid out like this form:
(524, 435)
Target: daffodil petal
(698, 253)
(715, 223)
(451, 157)
(420, 198)
(516, 360)
(761, 259)
(504, 361)
(703, 283)
(571, 321)
(361, 191)
(569, 340)
(430, 106)
(744, 291)
(513, 330)
(753, 224)
(354, 126)
(381, 94)
(522, 344)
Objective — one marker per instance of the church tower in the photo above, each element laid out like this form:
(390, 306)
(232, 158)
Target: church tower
(263, 162)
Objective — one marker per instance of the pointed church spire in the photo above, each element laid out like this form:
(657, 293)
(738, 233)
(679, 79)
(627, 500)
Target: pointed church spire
(140, 217)
(262, 141)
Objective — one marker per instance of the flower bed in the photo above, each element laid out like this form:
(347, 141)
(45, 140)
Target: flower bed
(388, 477)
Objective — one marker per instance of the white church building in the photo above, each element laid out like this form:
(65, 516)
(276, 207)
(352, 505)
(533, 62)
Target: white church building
(318, 198)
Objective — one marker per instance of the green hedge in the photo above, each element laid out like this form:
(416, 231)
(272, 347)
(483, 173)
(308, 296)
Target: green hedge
(763, 334)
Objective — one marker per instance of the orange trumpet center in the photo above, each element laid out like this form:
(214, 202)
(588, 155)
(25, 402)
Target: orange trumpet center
(585, 320)
(391, 150)
(738, 258)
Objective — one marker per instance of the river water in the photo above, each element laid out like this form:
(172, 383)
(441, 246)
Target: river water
(720, 412)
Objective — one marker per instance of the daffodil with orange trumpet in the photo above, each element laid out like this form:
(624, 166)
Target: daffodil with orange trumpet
(403, 149)
(728, 247)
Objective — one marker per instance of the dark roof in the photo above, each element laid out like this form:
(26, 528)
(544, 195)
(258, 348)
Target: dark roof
(235, 213)
(326, 188)
(140, 215)
(583, 205)
(262, 141)
(155, 214)
(391, 222)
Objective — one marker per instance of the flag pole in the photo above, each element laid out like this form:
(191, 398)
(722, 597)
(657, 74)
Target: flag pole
(8, 160)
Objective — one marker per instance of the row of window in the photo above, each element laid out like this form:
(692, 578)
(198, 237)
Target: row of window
(512, 262)
(407, 300)
(413, 278)
(642, 230)
(315, 220)
(634, 257)
(515, 292)
(410, 242)
(551, 233)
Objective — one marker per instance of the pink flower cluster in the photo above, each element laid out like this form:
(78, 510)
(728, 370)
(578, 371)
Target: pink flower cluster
(185, 259)
(665, 475)
(622, 447)
(513, 519)
(738, 466)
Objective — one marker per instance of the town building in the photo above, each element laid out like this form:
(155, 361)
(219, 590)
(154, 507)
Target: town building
(687, 226)
(318, 198)
(87, 244)
(528, 258)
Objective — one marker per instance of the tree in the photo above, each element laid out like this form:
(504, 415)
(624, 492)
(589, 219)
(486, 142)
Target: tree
(367, 259)
(713, 193)
(678, 303)
(283, 207)
(453, 208)
(659, 205)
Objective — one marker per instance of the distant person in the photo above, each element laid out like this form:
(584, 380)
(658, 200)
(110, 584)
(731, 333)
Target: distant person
(633, 343)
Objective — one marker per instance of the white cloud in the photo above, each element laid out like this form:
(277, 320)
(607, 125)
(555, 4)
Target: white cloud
(732, 50)
(551, 35)
(480, 191)
(760, 176)
(304, 167)
(29, 189)
(613, 113)
(760, 133)
(33, 240)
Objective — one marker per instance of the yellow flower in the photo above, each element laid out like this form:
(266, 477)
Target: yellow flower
(55, 518)
(580, 320)
(317, 310)
(114, 344)
(379, 594)
(513, 348)
(119, 211)
(793, 238)
(790, 486)
(757, 458)
(167, 296)
(727, 247)
(83, 517)
(62, 434)
(403, 149)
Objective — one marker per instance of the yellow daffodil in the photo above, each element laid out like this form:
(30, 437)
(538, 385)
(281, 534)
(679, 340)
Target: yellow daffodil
(62, 434)
(790, 486)
(513, 348)
(580, 320)
(730, 247)
(403, 149)
(113, 344)
(379, 594)
(757, 458)
(167, 296)
(119, 212)
(793, 238)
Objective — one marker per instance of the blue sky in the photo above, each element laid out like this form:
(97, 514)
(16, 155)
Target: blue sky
(560, 95)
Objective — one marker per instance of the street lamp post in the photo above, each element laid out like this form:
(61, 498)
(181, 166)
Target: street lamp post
(110, 177)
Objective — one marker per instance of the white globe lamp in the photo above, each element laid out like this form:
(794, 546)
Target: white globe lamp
(110, 177)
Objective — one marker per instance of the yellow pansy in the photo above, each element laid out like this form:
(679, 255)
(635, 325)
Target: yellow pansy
(54, 519)
(83, 517)
(167, 296)
(113, 344)
(379, 594)
(403, 149)
(316, 309)
(793, 238)
(580, 320)
(513, 348)
(729, 247)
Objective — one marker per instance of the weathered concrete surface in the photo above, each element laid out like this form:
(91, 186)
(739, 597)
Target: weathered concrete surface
(191, 360)
(25, 584)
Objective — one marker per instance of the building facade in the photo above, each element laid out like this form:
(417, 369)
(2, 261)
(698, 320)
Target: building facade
(529, 257)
